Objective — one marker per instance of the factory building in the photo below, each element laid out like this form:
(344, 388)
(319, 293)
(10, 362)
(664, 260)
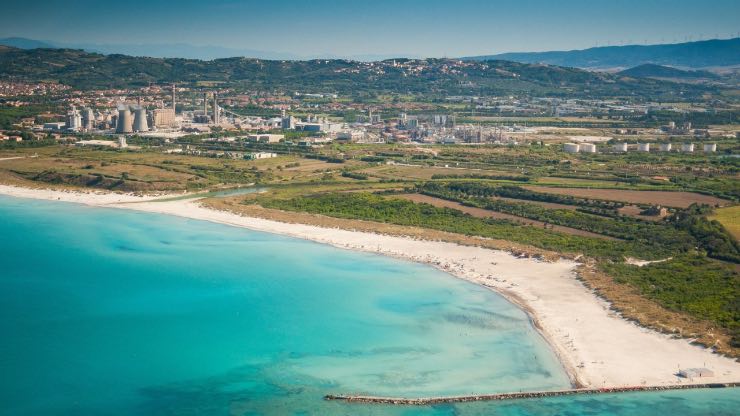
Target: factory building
(288, 123)
(710, 148)
(163, 117)
(265, 138)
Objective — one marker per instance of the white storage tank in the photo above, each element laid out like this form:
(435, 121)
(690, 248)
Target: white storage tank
(587, 148)
(620, 147)
(665, 147)
(687, 147)
(571, 147)
(710, 147)
(643, 147)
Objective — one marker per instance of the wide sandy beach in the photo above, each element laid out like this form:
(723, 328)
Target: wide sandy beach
(596, 346)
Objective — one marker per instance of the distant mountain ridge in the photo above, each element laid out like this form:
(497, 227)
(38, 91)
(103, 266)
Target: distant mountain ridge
(181, 50)
(700, 54)
(661, 71)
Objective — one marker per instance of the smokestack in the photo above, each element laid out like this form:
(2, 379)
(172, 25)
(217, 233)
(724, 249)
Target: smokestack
(205, 104)
(215, 108)
(174, 101)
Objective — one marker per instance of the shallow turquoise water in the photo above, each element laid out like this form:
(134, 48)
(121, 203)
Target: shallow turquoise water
(115, 312)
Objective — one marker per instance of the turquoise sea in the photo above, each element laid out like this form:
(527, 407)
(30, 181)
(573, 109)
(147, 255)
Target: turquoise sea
(114, 312)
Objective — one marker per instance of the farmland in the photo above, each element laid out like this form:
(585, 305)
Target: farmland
(668, 199)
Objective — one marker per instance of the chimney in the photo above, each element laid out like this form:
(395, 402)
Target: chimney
(215, 109)
(174, 102)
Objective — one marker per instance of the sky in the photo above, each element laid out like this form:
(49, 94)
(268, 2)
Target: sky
(430, 28)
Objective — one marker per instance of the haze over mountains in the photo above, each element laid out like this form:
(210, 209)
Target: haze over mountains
(183, 50)
(700, 54)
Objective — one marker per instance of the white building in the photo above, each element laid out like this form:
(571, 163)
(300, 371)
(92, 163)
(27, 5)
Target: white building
(687, 147)
(260, 155)
(643, 147)
(710, 148)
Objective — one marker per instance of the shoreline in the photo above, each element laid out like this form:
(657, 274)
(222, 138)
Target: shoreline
(596, 347)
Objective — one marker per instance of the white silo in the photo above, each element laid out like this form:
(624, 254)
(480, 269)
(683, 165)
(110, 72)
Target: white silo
(643, 147)
(88, 119)
(74, 120)
(571, 147)
(140, 123)
(665, 147)
(125, 122)
(687, 147)
(587, 148)
(620, 147)
(710, 148)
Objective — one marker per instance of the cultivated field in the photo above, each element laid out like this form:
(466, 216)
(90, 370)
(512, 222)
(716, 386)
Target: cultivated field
(665, 198)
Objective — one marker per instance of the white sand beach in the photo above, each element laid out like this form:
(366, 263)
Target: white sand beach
(595, 345)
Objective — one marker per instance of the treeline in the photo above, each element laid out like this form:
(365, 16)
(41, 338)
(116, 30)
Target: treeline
(483, 190)
(354, 175)
(483, 176)
(711, 236)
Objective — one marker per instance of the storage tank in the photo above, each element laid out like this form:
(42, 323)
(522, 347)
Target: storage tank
(587, 148)
(643, 147)
(571, 147)
(687, 147)
(665, 147)
(140, 123)
(620, 147)
(125, 123)
(710, 147)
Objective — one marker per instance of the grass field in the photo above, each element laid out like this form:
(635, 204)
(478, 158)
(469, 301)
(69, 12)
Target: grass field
(730, 219)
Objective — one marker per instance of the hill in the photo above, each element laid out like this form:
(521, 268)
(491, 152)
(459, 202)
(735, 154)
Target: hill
(428, 77)
(24, 43)
(661, 71)
(701, 54)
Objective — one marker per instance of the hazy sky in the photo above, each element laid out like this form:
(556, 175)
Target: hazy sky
(403, 27)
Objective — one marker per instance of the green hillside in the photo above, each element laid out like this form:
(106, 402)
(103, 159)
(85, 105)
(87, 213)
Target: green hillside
(430, 77)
